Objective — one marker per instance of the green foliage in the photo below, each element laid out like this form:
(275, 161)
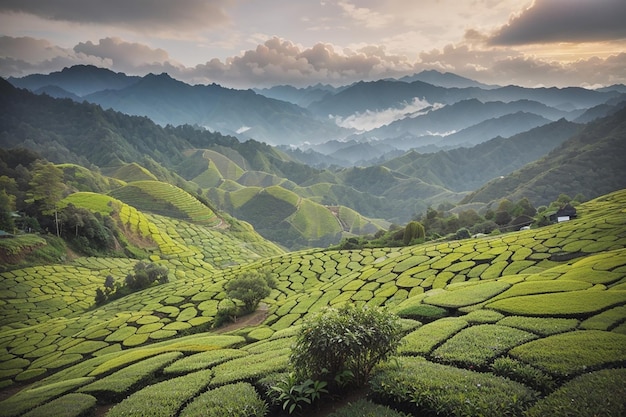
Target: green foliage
(235, 400)
(544, 326)
(69, 405)
(599, 393)
(425, 338)
(572, 303)
(467, 295)
(365, 408)
(251, 367)
(421, 387)
(32, 397)
(523, 373)
(203, 360)
(345, 338)
(573, 352)
(116, 386)
(413, 230)
(250, 287)
(292, 394)
(477, 345)
(164, 398)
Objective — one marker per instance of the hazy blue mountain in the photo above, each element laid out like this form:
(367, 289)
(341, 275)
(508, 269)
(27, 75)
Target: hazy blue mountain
(358, 153)
(464, 169)
(242, 113)
(299, 96)
(445, 79)
(386, 94)
(57, 92)
(504, 126)
(455, 117)
(79, 80)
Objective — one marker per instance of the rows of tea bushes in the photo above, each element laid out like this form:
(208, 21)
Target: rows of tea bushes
(165, 199)
(543, 308)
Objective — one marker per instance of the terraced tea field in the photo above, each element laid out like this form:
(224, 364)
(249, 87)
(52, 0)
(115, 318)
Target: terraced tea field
(514, 324)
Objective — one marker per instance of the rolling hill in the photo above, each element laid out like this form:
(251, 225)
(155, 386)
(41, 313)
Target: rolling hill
(504, 312)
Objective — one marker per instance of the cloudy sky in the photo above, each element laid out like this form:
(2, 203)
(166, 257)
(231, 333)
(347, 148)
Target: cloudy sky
(248, 43)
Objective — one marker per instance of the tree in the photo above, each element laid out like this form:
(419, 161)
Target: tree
(413, 230)
(7, 205)
(250, 288)
(46, 189)
(348, 338)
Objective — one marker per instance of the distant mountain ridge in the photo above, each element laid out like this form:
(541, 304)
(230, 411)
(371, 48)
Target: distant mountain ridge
(389, 110)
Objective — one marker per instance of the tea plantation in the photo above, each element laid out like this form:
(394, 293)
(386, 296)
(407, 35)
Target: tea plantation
(528, 323)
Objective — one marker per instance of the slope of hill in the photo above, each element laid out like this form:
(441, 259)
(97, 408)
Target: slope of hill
(502, 306)
(466, 169)
(590, 163)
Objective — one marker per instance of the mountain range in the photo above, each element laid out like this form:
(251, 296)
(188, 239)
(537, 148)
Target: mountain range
(355, 183)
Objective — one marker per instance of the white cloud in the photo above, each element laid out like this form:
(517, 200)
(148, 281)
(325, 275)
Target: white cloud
(373, 119)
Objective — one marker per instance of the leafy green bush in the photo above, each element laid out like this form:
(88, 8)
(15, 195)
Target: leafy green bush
(114, 387)
(477, 345)
(346, 338)
(425, 338)
(203, 360)
(524, 373)
(365, 408)
(573, 303)
(250, 287)
(415, 309)
(424, 388)
(573, 352)
(32, 397)
(69, 405)
(251, 367)
(291, 394)
(599, 393)
(235, 400)
(468, 295)
(544, 326)
(163, 399)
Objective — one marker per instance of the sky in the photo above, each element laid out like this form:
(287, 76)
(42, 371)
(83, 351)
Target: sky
(261, 43)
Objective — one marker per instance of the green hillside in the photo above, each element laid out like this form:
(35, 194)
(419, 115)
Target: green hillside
(505, 312)
(590, 163)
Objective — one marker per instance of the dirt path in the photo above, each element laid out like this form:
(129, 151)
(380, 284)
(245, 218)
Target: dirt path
(252, 319)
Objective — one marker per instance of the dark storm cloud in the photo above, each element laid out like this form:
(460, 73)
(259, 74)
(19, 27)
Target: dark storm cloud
(548, 21)
(140, 14)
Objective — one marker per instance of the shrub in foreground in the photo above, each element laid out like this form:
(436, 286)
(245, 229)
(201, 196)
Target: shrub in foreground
(345, 338)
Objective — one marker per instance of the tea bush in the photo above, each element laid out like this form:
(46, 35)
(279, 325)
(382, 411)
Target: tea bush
(163, 399)
(424, 388)
(235, 400)
(69, 405)
(599, 393)
(574, 352)
(365, 408)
